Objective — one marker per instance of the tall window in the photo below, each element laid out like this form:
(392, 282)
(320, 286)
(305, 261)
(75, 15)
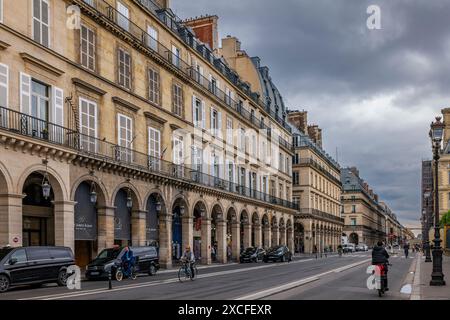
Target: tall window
(123, 16)
(242, 139)
(40, 24)
(353, 221)
(4, 82)
(1, 10)
(153, 38)
(39, 100)
(124, 68)
(177, 99)
(229, 131)
(197, 158)
(153, 86)
(296, 178)
(228, 96)
(87, 47)
(353, 208)
(216, 122)
(125, 137)
(176, 56)
(88, 124)
(198, 112)
(178, 150)
(154, 147)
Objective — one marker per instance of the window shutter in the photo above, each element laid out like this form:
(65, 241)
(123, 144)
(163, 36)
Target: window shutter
(203, 115)
(194, 121)
(4, 79)
(219, 130)
(211, 120)
(25, 93)
(58, 106)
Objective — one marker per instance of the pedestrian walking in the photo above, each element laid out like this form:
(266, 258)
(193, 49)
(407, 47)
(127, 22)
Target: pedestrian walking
(406, 249)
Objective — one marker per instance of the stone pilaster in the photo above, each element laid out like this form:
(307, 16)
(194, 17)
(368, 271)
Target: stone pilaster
(247, 235)
(236, 241)
(165, 240)
(138, 218)
(64, 224)
(222, 241)
(187, 232)
(267, 233)
(275, 236)
(11, 220)
(258, 238)
(206, 241)
(105, 227)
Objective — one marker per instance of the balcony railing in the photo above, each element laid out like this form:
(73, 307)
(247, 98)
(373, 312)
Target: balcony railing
(26, 125)
(141, 36)
(321, 214)
(315, 164)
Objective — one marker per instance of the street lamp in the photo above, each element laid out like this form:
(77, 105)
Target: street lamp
(158, 206)
(129, 199)
(436, 135)
(45, 183)
(93, 194)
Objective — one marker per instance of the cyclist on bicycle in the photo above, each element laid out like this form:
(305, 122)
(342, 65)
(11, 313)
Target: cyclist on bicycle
(188, 257)
(127, 261)
(339, 249)
(380, 256)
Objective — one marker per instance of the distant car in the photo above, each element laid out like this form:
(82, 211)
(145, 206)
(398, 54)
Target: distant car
(252, 254)
(348, 247)
(362, 247)
(109, 260)
(34, 266)
(278, 253)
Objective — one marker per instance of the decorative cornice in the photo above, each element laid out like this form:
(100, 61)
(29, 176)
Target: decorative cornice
(126, 104)
(81, 83)
(4, 45)
(41, 64)
(154, 117)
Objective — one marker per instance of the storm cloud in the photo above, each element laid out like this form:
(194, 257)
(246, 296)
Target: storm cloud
(374, 92)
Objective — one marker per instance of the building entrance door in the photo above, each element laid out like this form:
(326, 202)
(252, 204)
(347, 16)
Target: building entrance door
(34, 231)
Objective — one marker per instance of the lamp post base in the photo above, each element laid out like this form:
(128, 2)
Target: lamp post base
(437, 277)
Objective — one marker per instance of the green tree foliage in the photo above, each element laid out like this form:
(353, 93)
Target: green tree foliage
(445, 220)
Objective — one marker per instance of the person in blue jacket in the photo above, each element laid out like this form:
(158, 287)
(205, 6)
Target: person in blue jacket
(127, 261)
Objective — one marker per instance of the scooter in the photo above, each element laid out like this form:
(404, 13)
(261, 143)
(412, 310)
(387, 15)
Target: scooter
(378, 278)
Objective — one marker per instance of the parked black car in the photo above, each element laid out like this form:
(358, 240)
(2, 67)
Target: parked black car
(252, 254)
(278, 253)
(34, 266)
(147, 261)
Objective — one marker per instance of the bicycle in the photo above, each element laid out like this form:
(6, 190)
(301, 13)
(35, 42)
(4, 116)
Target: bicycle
(184, 273)
(122, 273)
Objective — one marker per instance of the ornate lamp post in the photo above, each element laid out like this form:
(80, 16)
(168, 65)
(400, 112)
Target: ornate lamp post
(45, 182)
(436, 135)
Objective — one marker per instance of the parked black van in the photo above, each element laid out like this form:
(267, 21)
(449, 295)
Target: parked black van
(147, 261)
(34, 265)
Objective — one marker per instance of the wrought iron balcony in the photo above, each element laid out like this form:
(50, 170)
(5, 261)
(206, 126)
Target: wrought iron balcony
(316, 165)
(26, 125)
(321, 214)
(105, 10)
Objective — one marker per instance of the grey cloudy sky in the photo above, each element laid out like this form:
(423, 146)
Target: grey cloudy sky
(374, 92)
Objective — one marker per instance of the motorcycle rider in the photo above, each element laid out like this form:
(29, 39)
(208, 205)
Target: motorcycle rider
(381, 256)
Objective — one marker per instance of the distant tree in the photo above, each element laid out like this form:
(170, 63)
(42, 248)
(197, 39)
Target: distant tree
(445, 220)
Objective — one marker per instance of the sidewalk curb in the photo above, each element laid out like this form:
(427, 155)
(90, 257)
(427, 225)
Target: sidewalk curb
(416, 294)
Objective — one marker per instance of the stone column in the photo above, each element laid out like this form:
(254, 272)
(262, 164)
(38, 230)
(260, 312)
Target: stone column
(165, 240)
(282, 236)
(187, 231)
(221, 232)
(236, 241)
(11, 220)
(267, 242)
(138, 220)
(206, 241)
(290, 239)
(65, 224)
(258, 237)
(105, 227)
(247, 235)
(275, 236)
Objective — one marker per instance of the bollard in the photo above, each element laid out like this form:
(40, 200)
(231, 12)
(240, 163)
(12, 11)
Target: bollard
(109, 280)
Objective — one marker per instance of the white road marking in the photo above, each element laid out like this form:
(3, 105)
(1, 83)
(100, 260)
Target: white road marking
(406, 289)
(153, 283)
(291, 285)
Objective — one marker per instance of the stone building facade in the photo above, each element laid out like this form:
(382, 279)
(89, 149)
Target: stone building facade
(317, 190)
(144, 135)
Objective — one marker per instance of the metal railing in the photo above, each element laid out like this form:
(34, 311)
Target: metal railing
(319, 213)
(140, 35)
(26, 125)
(315, 164)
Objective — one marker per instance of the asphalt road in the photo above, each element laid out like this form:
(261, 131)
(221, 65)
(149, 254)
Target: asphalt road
(307, 278)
